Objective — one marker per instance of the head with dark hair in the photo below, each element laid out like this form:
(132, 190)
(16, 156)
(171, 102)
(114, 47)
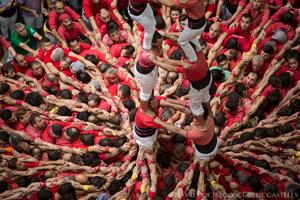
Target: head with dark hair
(275, 81)
(240, 89)
(8, 70)
(53, 154)
(34, 99)
(120, 141)
(220, 119)
(267, 51)
(45, 194)
(287, 18)
(176, 54)
(163, 160)
(4, 137)
(124, 91)
(64, 111)
(293, 176)
(240, 176)
(106, 142)
(12, 163)
(160, 22)
(17, 94)
(103, 67)
(286, 79)
(22, 181)
(293, 59)
(72, 134)
(87, 139)
(132, 114)
(4, 88)
(285, 111)
(127, 51)
(114, 186)
(246, 21)
(183, 167)
(222, 61)
(295, 105)
(82, 97)
(129, 104)
(92, 58)
(91, 159)
(169, 180)
(232, 43)
(65, 94)
(157, 41)
(3, 186)
(270, 190)
(84, 116)
(66, 188)
(263, 164)
(36, 153)
(217, 75)
(286, 128)
(93, 100)
(97, 181)
(255, 183)
(56, 130)
(84, 77)
(293, 191)
(76, 159)
(232, 101)
(167, 114)
(37, 121)
(8, 116)
(274, 98)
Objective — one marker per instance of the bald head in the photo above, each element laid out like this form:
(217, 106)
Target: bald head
(214, 30)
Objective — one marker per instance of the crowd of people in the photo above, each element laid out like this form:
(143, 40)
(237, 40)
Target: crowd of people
(149, 99)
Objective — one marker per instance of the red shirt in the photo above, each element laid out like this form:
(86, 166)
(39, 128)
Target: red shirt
(115, 49)
(23, 70)
(144, 60)
(4, 45)
(34, 132)
(145, 121)
(91, 9)
(29, 72)
(288, 29)
(47, 136)
(47, 55)
(71, 34)
(239, 31)
(270, 88)
(205, 36)
(102, 26)
(53, 17)
(244, 44)
(259, 17)
(277, 16)
(198, 70)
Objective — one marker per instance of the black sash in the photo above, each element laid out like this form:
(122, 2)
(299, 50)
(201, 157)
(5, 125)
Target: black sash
(144, 132)
(208, 148)
(143, 70)
(198, 85)
(196, 23)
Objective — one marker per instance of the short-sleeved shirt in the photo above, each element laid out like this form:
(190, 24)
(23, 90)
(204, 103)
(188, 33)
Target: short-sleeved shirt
(102, 26)
(53, 17)
(4, 45)
(29, 40)
(71, 34)
(23, 70)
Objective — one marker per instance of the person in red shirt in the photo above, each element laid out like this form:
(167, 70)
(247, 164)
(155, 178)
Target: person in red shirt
(212, 35)
(141, 11)
(36, 70)
(70, 30)
(36, 126)
(21, 63)
(145, 129)
(78, 47)
(54, 22)
(259, 13)
(115, 35)
(202, 133)
(102, 18)
(258, 66)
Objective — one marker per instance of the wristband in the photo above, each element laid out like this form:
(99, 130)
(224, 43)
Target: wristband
(134, 176)
(46, 113)
(202, 169)
(114, 133)
(42, 185)
(44, 94)
(8, 149)
(213, 183)
(143, 188)
(113, 174)
(139, 162)
(54, 110)
(128, 129)
(298, 154)
(217, 95)
(103, 187)
(86, 187)
(151, 194)
(144, 175)
(193, 166)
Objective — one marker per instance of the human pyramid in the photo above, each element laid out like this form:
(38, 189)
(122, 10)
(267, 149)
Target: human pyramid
(150, 99)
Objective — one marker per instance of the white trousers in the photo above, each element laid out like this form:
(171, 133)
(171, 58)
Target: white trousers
(7, 25)
(197, 97)
(190, 35)
(147, 20)
(146, 83)
(146, 143)
(210, 155)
